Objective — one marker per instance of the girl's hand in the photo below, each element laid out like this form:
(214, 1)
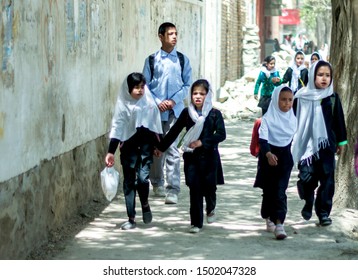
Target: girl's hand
(195, 144)
(275, 80)
(109, 160)
(339, 150)
(157, 153)
(271, 158)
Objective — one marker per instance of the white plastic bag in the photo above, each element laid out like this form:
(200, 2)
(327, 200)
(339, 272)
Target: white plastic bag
(109, 182)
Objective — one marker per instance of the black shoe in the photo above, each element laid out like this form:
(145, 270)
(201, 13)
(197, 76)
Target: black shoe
(147, 214)
(325, 221)
(307, 211)
(147, 217)
(128, 225)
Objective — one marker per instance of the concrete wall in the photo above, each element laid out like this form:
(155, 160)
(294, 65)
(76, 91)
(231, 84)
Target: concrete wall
(62, 63)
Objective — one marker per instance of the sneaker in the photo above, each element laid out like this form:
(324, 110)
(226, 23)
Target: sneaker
(210, 218)
(194, 229)
(147, 215)
(270, 226)
(171, 198)
(325, 221)
(159, 191)
(128, 225)
(280, 232)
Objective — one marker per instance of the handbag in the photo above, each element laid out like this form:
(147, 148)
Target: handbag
(109, 182)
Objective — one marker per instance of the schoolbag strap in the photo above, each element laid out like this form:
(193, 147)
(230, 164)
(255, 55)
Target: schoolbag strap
(151, 64)
(333, 101)
(182, 62)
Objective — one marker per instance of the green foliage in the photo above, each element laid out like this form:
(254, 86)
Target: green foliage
(311, 9)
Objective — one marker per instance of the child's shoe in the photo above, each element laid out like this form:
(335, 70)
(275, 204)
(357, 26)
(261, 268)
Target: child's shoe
(280, 232)
(270, 226)
(129, 225)
(211, 217)
(194, 229)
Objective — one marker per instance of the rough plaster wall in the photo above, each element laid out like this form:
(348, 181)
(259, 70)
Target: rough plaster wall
(62, 62)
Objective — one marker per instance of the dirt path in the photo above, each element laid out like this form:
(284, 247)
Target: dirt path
(238, 234)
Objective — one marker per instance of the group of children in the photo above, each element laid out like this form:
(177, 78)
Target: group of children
(149, 116)
(136, 128)
(302, 123)
(308, 114)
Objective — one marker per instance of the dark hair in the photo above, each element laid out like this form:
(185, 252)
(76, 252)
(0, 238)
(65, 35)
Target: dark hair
(201, 82)
(268, 59)
(316, 55)
(164, 26)
(286, 89)
(321, 63)
(299, 52)
(135, 79)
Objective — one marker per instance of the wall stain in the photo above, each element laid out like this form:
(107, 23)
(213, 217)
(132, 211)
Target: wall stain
(2, 124)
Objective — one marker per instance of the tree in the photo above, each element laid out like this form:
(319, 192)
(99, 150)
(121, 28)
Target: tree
(344, 58)
(315, 14)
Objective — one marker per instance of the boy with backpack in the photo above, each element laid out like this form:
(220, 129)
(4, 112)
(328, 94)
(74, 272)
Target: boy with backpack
(169, 77)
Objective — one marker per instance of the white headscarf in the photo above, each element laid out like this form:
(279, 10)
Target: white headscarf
(296, 71)
(131, 114)
(268, 72)
(194, 132)
(278, 127)
(316, 54)
(311, 133)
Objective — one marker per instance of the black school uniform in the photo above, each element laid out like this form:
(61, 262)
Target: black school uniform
(288, 76)
(322, 168)
(202, 168)
(136, 156)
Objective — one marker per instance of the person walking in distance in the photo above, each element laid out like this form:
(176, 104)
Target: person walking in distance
(169, 77)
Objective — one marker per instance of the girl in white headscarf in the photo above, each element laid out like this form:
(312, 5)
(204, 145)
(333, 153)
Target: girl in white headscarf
(297, 74)
(276, 132)
(136, 126)
(202, 165)
(321, 133)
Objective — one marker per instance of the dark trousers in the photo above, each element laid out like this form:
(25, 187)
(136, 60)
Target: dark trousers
(197, 194)
(274, 185)
(136, 166)
(323, 173)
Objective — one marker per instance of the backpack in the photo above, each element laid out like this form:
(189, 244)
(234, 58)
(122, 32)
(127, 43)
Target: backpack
(254, 145)
(151, 64)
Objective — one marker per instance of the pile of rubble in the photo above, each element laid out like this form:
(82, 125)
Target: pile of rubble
(236, 98)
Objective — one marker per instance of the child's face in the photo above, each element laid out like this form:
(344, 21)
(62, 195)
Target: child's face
(323, 77)
(285, 100)
(271, 65)
(198, 96)
(314, 58)
(169, 39)
(138, 91)
(299, 59)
